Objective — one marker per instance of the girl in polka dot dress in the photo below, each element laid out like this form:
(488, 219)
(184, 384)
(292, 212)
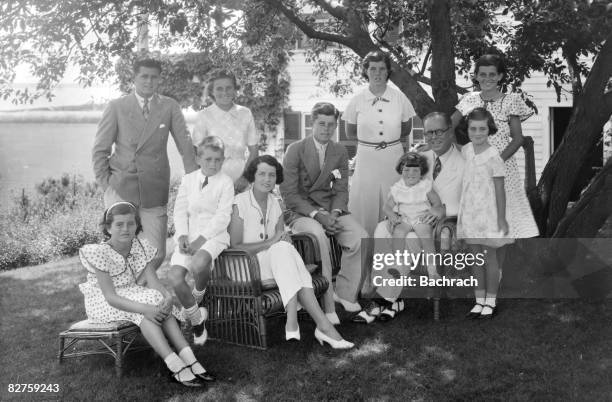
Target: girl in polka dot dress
(508, 111)
(114, 291)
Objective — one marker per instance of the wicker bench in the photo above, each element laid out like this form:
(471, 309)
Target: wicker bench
(115, 339)
(240, 304)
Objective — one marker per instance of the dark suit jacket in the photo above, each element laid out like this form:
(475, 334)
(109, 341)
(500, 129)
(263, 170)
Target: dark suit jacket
(138, 168)
(306, 187)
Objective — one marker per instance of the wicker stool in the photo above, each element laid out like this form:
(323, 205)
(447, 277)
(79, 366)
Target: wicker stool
(116, 339)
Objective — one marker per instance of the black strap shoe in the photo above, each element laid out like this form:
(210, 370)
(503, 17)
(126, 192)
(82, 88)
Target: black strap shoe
(205, 376)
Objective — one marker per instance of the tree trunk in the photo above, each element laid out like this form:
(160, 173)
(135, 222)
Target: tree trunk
(591, 211)
(583, 132)
(442, 57)
(362, 44)
(572, 69)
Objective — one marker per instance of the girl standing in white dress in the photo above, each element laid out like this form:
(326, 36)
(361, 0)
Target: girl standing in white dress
(482, 210)
(379, 116)
(114, 291)
(508, 111)
(233, 123)
(257, 226)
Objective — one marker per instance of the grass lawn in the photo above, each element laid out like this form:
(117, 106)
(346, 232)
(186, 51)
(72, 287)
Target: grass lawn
(532, 350)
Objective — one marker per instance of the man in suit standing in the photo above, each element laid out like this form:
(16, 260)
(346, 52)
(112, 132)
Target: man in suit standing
(446, 165)
(315, 189)
(137, 169)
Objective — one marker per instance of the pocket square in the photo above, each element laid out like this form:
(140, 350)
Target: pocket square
(162, 125)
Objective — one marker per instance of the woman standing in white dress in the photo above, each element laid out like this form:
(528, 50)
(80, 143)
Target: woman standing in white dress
(233, 123)
(257, 226)
(508, 111)
(378, 116)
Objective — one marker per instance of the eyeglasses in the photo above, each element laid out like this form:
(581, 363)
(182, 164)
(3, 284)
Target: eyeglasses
(435, 133)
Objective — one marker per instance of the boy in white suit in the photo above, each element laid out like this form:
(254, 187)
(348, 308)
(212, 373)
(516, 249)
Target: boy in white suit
(202, 212)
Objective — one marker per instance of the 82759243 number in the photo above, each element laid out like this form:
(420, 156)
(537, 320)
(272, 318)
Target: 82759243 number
(33, 388)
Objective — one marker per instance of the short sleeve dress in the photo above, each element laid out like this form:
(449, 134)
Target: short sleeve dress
(281, 261)
(124, 272)
(412, 202)
(236, 127)
(477, 219)
(379, 128)
(518, 211)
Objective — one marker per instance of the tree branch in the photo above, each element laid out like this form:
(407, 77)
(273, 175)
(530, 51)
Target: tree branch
(307, 29)
(425, 60)
(338, 12)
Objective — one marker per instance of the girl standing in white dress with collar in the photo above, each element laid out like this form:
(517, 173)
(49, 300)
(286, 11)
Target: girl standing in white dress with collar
(233, 123)
(378, 116)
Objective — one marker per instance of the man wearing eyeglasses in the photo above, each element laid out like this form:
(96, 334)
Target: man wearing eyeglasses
(446, 165)
(445, 161)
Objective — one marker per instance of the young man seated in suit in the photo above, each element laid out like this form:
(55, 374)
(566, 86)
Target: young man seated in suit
(315, 189)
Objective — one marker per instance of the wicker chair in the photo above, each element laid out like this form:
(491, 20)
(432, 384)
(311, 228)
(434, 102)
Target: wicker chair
(240, 303)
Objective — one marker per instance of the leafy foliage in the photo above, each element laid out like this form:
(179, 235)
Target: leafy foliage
(192, 38)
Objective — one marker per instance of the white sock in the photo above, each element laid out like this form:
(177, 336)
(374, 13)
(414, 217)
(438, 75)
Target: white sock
(480, 300)
(491, 299)
(176, 365)
(188, 357)
(391, 299)
(198, 294)
(193, 313)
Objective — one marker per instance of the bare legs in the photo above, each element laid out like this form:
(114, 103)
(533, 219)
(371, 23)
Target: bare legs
(158, 336)
(488, 277)
(307, 299)
(201, 266)
(424, 233)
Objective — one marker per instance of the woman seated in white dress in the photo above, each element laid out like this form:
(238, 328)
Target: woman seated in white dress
(257, 226)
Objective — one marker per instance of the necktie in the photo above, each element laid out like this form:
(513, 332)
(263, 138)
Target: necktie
(437, 168)
(145, 109)
(205, 181)
(321, 157)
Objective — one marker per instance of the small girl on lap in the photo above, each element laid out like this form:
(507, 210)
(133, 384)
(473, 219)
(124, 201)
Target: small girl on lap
(116, 270)
(410, 200)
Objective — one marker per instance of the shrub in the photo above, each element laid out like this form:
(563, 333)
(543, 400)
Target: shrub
(56, 221)
(61, 217)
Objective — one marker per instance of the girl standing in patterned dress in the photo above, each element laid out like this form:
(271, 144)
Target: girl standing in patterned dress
(508, 111)
(114, 291)
(482, 210)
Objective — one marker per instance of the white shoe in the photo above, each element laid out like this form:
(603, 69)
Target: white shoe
(347, 305)
(200, 335)
(333, 318)
(340, 344)
(291, 335)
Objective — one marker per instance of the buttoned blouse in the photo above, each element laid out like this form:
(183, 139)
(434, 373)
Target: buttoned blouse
(379, 118)
(236, 127)
(257, 226)
(203, 211)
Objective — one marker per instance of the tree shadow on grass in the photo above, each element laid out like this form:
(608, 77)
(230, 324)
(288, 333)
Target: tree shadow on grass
(533, 349)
